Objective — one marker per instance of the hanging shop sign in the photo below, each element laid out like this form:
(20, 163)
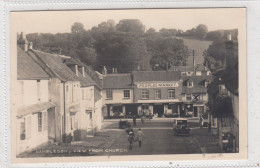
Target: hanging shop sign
(157, 85)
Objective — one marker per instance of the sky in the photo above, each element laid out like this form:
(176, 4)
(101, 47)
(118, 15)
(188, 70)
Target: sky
(185, 19)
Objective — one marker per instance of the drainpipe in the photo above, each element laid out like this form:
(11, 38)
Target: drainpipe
(64, 104)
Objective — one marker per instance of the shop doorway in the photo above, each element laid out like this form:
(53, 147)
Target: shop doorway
(195, 112)
(131, 109)
(159, 109)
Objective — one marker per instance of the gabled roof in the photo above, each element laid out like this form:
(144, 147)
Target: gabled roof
(27, 68)
(55, 63)
(197, 80)
(142, 76)
(117, 81)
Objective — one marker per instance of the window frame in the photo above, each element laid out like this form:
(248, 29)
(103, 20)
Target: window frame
(190, 84)
(126, 91)
(146, 95)
(189, 97)
(157, 94)
(39, 117)
(109, 92)
(170, 94)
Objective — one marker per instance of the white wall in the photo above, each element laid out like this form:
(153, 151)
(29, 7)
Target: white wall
(31, 92)
(118, 97)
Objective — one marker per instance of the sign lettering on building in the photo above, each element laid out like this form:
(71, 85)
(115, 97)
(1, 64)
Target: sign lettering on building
(157, 85)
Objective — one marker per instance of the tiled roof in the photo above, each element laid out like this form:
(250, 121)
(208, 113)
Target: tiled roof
(27, 68)
(55, 63)
(194, 89)
(84, 80)
(197, 80)
(73, 61)
(117, 81)
(142, 76)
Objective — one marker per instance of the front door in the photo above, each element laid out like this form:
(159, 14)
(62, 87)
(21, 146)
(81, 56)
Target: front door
(195, 111)
(90, 131)
(159, 109)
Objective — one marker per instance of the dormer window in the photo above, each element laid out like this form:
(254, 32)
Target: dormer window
(207, 83)
(190, 83)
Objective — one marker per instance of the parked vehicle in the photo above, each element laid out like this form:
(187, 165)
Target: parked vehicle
(181, 127)
(123, 124)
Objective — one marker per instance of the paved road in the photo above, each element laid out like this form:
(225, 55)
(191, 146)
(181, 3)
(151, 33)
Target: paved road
(159, 139)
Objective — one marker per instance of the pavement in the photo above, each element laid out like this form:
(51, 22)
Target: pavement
(159, 139)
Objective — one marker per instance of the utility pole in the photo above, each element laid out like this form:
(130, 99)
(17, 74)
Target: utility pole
(193, 55)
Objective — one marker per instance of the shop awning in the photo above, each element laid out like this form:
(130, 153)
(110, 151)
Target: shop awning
(34, 108)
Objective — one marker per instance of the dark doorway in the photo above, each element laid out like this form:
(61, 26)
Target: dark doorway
(159, 109)
(131, 109)
(195, 112)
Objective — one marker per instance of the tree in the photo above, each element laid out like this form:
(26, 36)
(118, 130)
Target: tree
(169, 50)
(201, 31)
(77, 28)
(130, 25)
(120, 50)
(214, 35)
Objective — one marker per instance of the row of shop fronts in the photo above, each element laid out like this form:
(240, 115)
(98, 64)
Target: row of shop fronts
(156, 109)
(157, 93)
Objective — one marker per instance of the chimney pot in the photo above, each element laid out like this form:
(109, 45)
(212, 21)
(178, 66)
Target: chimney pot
(30, 46)
(229, 37)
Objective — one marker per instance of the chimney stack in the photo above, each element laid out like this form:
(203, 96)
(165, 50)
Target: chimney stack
(30, 46)
(104, 71)
(22, 42)
(82, 70)
(76, 70)
(229, 37)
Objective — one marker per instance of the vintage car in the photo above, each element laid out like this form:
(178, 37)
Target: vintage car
(181, 127)
(124, 124)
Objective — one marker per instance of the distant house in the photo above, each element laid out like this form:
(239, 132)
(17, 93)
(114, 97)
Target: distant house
(192, 70)
(35, 112)
(194, 94)
(118, 95)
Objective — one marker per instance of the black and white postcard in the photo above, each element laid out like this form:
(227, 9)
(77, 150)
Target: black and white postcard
(128, 84)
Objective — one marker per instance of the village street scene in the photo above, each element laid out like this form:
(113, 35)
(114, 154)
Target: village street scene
(125, 88)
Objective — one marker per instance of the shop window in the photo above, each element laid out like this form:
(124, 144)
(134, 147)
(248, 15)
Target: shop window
(109, 94)
(127, 94)
(22, 130)
(145, 107)
(169, 106)
(188, 96)
(171, 93)
(117, 109)
(145, 94)
(157, 94)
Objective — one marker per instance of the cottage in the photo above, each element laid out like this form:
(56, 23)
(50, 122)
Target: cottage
(35, 112)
